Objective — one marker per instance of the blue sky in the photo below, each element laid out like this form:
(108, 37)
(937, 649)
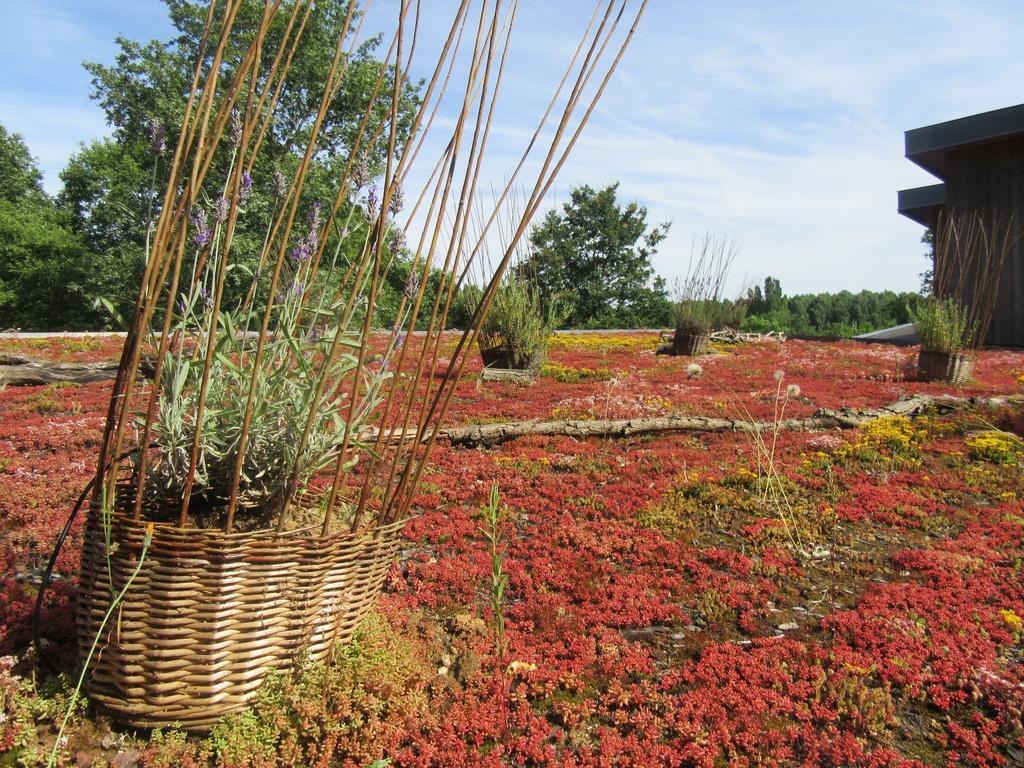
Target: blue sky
(779, 124)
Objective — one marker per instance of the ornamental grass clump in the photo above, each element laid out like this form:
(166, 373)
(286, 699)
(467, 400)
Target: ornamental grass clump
(279, 441)
(516, 330)
(942, 325)
(699, 308)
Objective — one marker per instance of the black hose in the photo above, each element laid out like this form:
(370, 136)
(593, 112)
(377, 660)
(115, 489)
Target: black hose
(48, 574)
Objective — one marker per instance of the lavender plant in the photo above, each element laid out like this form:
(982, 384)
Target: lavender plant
(254, 396)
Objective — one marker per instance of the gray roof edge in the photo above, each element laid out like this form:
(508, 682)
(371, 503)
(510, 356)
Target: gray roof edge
(982, 128)
(922, 204)
(898, 334)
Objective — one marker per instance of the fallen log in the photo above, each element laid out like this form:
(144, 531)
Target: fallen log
(475, 435)
(54, 373)
(27, 372)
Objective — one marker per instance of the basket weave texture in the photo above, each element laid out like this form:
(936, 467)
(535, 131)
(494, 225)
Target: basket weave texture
(689, 344)
(942, 366)
(211, 614)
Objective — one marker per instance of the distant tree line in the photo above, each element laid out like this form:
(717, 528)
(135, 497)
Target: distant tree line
(840, 314)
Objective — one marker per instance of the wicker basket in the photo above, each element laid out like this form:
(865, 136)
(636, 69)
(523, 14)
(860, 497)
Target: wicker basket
(210, 614)
(689, 344)
(942, 366)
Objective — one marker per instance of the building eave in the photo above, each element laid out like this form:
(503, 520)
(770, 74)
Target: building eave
(922, 204)
(929, 145)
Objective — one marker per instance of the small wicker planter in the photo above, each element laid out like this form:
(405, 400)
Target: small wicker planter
(211, 614)
(689, 344)
(943, 366)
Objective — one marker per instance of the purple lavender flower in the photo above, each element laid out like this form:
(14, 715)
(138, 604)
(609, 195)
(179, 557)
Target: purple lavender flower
(412, 285)
(280, 184)
(302, 252)
(244, 188)
(236, 127)
(182, 305)
(221, 209)
(397, 242)
(298, 287)
(201, 236)
(313, 217)
(204, 296)
(371, 202)
(397, 201)
(157, 137)
(361, 173)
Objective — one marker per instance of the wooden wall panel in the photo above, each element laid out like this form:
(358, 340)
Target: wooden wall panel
(991, 178)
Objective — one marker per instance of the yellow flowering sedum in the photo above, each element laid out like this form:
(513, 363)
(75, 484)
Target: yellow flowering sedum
(1014, 622)
(995, 446)
(602, 342)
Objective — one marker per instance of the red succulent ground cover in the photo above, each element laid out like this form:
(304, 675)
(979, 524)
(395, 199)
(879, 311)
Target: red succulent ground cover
(665, 607)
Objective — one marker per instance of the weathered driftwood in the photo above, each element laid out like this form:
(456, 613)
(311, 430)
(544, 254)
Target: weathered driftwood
(18, 371)
(730, 336)
(823, 419)
(54, 373)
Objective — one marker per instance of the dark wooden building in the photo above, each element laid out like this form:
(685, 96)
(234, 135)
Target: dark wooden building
(980, 160)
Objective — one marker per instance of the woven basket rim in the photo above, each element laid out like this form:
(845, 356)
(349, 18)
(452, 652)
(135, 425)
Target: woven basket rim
(123, 516)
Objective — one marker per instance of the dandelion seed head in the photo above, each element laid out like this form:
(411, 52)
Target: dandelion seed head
(694, 371)
(793, 390)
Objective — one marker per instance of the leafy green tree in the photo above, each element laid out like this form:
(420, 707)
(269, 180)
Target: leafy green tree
(19, 174)
(768, 300)
(595, 256)
(43, 265)
(110, 185)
